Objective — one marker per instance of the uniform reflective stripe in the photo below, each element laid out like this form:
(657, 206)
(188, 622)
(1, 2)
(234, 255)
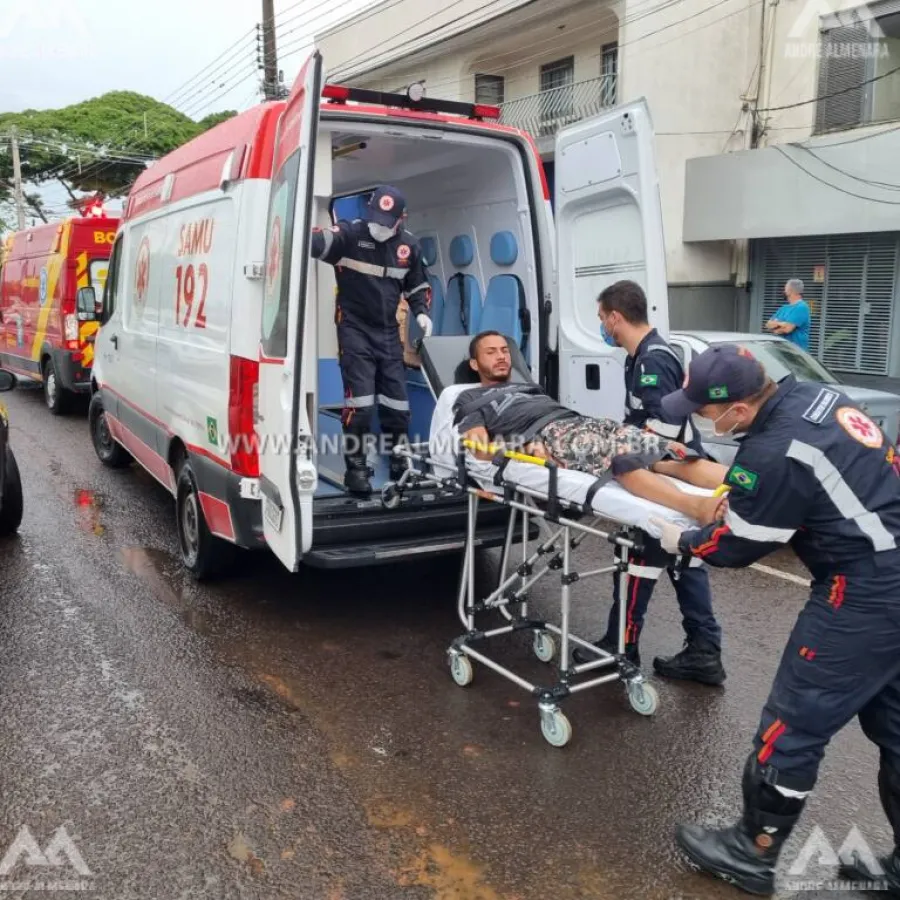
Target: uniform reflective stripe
(395, 273)
(421, 287)
(840, 493)
(357, 402)
(328, 238)
(363, 267)
(662, 348)
(664, 428)
(763, 533)
(644, 572)
(688, 431)
(634, 402)
(391, 403)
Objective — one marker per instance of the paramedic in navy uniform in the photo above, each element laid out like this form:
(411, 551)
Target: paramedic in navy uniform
(375, 262)
(815, 473)
(653, 370)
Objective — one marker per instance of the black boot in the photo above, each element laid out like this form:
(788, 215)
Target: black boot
(887, 881)
(356, 478)
(746, 853)
(700, 661)
(609, 645)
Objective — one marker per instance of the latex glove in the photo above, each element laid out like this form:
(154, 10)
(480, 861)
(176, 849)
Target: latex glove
(424, 324)
(670, 534)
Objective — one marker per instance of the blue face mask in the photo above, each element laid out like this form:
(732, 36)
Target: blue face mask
(607, 336)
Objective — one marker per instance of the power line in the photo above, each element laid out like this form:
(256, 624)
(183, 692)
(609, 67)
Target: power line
(817, 99)
(888, 185)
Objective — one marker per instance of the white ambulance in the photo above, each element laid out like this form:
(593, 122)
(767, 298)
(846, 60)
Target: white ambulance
(216, 362)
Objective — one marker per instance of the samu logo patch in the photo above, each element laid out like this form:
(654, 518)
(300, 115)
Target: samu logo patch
(742, 478)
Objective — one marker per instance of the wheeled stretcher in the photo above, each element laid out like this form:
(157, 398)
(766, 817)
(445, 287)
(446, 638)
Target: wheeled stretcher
(567, 506)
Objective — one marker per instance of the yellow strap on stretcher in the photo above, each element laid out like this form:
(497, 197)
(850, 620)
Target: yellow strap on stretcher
(493, 449)
(721, 490)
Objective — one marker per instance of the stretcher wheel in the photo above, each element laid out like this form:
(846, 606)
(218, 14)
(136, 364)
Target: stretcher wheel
(461, 669)
(390, 496)
(556, 728)
(544, 646)
(643, 698)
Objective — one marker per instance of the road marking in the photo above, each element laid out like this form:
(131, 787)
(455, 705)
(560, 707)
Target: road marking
(778, 573)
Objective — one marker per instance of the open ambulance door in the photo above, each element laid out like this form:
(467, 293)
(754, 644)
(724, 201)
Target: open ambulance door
(287, 354)
(608, 228)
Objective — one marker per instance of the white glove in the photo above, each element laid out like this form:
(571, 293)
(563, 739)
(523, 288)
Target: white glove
(424, 324)
(669, 534)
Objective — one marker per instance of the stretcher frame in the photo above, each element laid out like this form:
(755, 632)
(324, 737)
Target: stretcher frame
(510, 598)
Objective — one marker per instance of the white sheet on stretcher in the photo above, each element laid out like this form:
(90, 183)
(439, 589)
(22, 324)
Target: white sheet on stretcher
(611, 501)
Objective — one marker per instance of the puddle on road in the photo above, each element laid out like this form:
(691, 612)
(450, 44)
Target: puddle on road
(88, 505)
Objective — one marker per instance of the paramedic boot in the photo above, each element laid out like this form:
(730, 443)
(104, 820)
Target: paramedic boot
(609, 645)
(746, 853)
(700, 660)
(885, 876)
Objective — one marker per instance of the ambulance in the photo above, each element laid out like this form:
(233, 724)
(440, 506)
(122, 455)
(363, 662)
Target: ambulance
(44, 336)
(216, 364)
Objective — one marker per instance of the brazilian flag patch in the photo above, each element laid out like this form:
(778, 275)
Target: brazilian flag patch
(742, 478)
(212, 430)
(649, 380)
(719, 392)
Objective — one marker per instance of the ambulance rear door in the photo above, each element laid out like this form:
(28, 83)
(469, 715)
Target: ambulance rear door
(608, 228)
(287, 355)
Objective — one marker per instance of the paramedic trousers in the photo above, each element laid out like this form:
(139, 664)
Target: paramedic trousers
(372, 369)
(842, 660)
(691, 589)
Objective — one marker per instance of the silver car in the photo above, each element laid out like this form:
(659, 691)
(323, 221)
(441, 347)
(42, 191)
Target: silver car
(780, 357)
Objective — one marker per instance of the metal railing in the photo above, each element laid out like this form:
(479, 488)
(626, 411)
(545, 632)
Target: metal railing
(545, 113)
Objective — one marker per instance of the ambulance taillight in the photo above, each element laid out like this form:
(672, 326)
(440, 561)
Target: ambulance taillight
(243, 381)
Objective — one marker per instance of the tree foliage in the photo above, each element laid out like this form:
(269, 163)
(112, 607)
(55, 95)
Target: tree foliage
(83, 144)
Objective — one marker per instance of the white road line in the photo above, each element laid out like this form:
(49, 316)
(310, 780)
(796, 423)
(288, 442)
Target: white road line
(787, 576)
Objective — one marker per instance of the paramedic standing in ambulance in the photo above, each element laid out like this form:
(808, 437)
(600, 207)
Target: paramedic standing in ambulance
(812, 472)
(653, 370)
(376, 261)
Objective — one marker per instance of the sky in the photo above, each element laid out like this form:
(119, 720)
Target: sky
(57, 52)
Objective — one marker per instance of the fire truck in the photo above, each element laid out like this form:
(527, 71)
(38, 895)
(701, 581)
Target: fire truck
(44, 336)
(216, 364)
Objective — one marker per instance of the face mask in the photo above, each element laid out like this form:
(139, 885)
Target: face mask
(381, 233)
(707, 427)
(607, 336)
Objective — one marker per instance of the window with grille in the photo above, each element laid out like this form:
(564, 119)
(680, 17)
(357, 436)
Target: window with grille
(489, 89)
(859, 51)
(609, 71)
(557, 94)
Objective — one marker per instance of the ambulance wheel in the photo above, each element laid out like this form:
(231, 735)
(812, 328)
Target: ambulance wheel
(203, 555)
(109, 452)
(57, 398)
(11, 505)
(643, 698)
(556, 728)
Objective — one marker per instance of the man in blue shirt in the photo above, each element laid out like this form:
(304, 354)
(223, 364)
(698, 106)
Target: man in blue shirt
(791, 321)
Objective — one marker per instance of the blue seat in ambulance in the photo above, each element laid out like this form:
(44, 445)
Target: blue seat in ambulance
(504, 303)
(429, 257)
(462, 304)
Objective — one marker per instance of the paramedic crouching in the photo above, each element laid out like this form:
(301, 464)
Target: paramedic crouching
(375, 262)
(652, 370)
(814, 472)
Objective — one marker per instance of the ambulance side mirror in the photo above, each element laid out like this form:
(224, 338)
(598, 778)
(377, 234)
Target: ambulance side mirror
(86, 305)
(7, 381)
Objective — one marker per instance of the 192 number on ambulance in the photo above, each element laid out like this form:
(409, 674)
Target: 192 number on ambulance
(186, 293)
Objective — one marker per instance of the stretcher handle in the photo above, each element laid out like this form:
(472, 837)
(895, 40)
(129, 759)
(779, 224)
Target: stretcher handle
(494, 449)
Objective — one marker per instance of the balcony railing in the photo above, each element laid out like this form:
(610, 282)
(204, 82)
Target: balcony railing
(545, 113)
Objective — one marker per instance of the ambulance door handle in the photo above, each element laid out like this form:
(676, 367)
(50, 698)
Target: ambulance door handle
(114, 340)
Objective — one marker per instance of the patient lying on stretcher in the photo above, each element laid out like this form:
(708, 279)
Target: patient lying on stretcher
(524, 418)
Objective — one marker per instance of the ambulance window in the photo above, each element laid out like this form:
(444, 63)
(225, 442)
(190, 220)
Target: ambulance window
(111, 285)
(279, 241)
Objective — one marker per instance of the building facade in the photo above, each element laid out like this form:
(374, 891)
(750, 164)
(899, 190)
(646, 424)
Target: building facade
(776, 152)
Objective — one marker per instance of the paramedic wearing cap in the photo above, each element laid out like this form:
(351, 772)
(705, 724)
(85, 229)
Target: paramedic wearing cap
(375, 262)
(813, 472)
(653, 370)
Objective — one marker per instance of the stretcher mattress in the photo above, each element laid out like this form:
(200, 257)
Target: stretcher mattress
(611, 501)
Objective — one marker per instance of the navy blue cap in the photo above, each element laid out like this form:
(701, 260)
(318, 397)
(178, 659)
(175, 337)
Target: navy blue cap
(386, 206)
(725, 373)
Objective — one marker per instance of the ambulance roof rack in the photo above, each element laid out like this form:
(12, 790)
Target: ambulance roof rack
(340, 94)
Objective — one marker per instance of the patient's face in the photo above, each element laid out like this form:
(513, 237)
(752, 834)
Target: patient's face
(493, 362)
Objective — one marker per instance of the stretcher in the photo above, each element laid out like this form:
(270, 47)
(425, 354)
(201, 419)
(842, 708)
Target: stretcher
(567, 506)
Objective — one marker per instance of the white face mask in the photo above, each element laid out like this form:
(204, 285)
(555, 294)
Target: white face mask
(707, 427)
(381, 233)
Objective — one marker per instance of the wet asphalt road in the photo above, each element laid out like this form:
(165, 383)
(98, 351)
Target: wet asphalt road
(300, 736)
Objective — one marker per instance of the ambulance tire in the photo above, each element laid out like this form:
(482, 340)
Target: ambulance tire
(203, 555)
(12, 505)
(109, 452)
(57, 398)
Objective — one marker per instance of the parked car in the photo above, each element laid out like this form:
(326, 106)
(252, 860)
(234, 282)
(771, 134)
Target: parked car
(11, 505)
(780, 357)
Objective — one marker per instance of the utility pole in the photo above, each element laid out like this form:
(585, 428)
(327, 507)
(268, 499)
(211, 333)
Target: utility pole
(269, 51)
(17, 179)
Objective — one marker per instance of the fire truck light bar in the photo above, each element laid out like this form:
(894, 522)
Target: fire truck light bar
(340, 94)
